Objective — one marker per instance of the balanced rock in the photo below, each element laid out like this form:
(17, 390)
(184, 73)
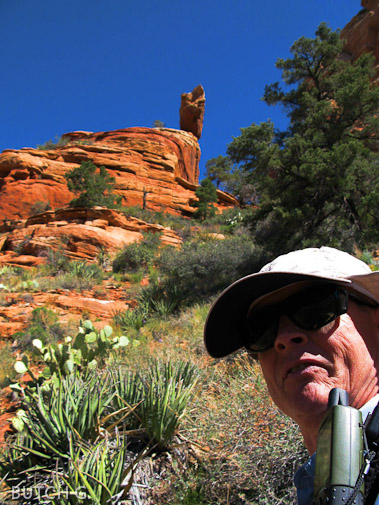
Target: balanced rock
(192, 111)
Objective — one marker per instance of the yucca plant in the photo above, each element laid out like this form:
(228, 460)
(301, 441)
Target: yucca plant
(85, 270)
(72, 404)
(95, 475)
(161, 298)
(21, 463)
(134, 319)
(128, 394)
(167, 391)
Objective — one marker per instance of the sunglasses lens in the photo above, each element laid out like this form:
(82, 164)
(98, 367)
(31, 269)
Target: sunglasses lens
(324, 306)
(311, 309)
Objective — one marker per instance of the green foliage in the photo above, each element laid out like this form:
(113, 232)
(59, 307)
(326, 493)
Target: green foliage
(131, 319)
(71, 431)
(138, 254)
(39, 207)
(200, 269)
(219, 171)
(68, 274)
(232, 180)
(94, 475)
(318, 180)
(85, 270)
(43, 325)
(207, 196)
(94, 186)
(73, 403)
(88, 350)
(7, 373)
(160, 395)
(54, 144)
(158, 124)
(167, 391)
(232, 221)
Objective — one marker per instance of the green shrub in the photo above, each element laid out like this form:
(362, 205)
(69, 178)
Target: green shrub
(66, 281)
(161, 299)
(138, 254)
(85, 270)
(44, 325)
(94, 186)
(39, 207)
(200, 269)
(56, 262)
(231, 221)
(7, 371)
(51, 144)
(160, 397)
(131, 319)
(73, 403)
(207, 196)
(177, 223)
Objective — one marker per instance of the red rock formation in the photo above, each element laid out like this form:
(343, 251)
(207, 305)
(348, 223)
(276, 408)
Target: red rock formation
(150, 162)
(362, 32)
(77, 233)
(156, 167)
(192, 111)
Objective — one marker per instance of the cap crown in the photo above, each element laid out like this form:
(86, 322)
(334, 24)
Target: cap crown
(325, 262)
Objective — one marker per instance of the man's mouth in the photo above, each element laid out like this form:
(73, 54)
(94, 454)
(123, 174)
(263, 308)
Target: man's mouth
(298, 368)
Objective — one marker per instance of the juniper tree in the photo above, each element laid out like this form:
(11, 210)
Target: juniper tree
(94, 186)
(317, 180)
(207, 196)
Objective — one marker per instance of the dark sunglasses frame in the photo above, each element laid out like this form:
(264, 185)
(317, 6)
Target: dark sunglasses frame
(310, 309)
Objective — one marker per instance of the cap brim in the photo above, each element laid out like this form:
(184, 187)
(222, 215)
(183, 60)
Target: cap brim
(225, 324)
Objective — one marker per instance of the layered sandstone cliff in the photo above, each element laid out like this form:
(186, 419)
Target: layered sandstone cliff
(154, 168)
(157, 168)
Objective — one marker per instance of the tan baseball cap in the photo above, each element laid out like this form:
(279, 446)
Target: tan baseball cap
(225, 325)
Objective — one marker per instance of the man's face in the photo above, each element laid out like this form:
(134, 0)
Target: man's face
(304, 365)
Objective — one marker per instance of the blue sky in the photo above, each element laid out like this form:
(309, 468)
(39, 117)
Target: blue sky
(100, 65)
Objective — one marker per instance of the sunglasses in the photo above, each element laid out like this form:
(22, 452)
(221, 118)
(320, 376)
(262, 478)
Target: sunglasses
(310, 310)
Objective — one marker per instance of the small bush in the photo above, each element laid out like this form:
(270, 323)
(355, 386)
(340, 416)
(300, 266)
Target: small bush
(51, 144)
(131, 319)
(66, 281)
(39, 207)
(200, 269)
(94, 186)
(85, 270)
(44, 325)
(138, 254)
(6, 364)
(161, 299)
(56, 262)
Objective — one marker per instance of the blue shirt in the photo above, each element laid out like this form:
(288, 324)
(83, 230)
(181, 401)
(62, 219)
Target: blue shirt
(304, 477)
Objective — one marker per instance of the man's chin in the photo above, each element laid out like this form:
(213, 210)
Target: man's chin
(310, 400)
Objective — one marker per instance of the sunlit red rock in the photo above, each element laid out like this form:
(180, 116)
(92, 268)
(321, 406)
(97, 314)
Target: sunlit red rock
(192, 111)
(361, 34)
(153, 167)
(78, 233)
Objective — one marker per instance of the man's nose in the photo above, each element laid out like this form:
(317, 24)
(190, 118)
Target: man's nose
(289, 335)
